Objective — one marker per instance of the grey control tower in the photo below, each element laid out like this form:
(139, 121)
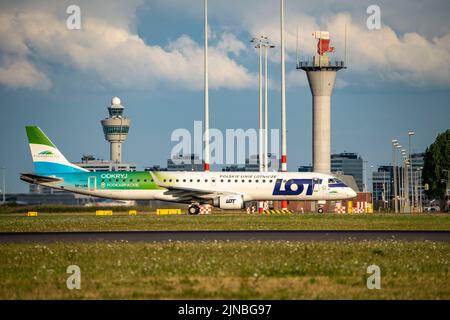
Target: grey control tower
(115, 128)
(321, 73)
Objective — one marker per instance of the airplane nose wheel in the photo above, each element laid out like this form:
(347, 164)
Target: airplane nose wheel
(320, 210)
(193, 209)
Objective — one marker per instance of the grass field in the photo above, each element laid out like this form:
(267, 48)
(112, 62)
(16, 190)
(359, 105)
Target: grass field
(215, 270)
(221, 221)
(224, 270)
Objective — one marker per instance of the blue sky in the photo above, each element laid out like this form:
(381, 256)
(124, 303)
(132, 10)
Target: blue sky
(149, 53)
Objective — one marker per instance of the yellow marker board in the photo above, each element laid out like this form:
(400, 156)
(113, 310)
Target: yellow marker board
(350, 206)
(168, 211)
(103, 213)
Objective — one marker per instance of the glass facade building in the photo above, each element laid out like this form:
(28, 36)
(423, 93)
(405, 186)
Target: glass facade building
(349, 164)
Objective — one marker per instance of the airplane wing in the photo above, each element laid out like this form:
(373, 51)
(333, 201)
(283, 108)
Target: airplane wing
(184, 194)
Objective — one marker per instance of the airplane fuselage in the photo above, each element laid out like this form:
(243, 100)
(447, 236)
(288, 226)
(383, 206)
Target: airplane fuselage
(253, 186)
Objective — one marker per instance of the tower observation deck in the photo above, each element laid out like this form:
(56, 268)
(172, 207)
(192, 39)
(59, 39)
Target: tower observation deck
(321, 73)
(116, 128)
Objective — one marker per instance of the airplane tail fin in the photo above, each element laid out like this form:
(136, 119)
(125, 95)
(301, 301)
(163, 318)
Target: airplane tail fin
(46, 156)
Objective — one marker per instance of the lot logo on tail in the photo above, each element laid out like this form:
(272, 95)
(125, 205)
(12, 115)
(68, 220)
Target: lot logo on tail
(293, 187)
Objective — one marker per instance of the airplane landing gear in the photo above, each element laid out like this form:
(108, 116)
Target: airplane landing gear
(320, 210)
(193, 209)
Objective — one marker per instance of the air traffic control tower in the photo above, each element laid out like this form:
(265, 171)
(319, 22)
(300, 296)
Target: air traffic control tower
(115, 128)
(321, 73)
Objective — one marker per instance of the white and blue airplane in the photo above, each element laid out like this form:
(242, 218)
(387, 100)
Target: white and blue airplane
(227, 190)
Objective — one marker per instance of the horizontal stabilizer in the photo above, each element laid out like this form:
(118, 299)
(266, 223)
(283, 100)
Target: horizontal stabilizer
(34, 178)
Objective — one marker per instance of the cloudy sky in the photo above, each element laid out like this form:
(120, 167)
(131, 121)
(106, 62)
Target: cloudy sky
(150, 54)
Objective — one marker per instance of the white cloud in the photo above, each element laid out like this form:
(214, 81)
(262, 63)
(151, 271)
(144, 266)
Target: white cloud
(412, 48)
(111, 52)
(22, 74)
(33, 38)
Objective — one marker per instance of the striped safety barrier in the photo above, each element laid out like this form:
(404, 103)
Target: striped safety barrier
(340, 209)
(205, 209)
(357, 207)
(277, 211)
(251, 209)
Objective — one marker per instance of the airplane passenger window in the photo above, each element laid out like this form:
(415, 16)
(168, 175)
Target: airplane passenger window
(229, 180)
(198, 180)
(221, 180)
(270, 181)
(145, 180)
(250, 181)
(264, 181)
(256, 181)
(243, 180)
(206, 180)
(176, 180)
(236, 180)
(184, 180)
(138, 180)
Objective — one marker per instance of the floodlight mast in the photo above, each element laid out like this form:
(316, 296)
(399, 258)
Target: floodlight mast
(206, 89)
(283, 100)
(263, 43)
(257, 44)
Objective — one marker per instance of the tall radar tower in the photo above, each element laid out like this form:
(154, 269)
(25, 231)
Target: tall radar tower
(115, 128)
(321, 73)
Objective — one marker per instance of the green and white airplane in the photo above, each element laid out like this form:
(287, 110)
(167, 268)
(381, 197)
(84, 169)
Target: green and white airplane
(227, 190)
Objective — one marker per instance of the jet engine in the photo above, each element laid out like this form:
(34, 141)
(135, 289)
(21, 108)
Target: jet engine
(229, 202)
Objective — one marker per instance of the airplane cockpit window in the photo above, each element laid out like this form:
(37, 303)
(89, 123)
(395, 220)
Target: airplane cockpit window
(334, 180)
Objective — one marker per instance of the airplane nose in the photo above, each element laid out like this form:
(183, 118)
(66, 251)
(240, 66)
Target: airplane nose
(351, 193)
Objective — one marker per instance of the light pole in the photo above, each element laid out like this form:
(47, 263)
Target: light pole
(373, 190)
(394, 172)
(263, 42)
(365, 175)
(260, 43)
(446, 199)
(399, 175)
(416, 188)
(385, 194)
(405, 181)
(257, 44)
(419, 184)
(284, 203)
(4, 185)
(410, 134)
(206, 90)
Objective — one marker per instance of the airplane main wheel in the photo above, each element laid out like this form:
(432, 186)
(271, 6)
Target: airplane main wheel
(320, 210)
(194, 209)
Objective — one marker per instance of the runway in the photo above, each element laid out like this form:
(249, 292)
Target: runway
(259, 235)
